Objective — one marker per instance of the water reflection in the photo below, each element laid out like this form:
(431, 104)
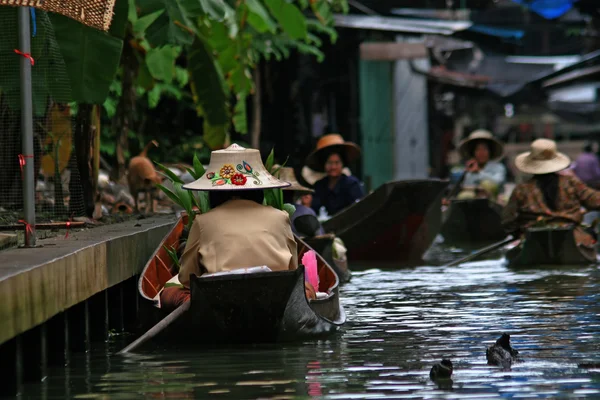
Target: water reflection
(400, 324)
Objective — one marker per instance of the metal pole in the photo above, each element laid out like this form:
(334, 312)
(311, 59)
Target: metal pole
(27, 127)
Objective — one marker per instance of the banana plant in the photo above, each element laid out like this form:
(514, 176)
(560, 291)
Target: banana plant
(189, 200)
(274, 197)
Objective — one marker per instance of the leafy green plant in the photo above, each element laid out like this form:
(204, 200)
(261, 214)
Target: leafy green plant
(274, 197)
(173, 256)
(187, 199)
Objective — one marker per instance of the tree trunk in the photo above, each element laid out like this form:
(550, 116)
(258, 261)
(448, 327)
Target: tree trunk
(256, 110)
(126, 108)
(83, 194)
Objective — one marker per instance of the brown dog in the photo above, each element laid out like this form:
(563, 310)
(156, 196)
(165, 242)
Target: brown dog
(142, 178)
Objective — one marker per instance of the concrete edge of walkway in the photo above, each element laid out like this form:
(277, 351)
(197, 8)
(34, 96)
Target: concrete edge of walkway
(37, 284)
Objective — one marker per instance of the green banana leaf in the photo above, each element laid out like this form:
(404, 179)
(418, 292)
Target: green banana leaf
(208, 84)
(91, 58)
(161, 62)
(290, 18)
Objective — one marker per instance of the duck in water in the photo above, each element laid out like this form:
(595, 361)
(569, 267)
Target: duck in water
(441, 370)
(501, 353)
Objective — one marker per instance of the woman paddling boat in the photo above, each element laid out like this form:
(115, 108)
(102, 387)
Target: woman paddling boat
(239, 268)
(473, 217)
(483, 171)
(549, 198)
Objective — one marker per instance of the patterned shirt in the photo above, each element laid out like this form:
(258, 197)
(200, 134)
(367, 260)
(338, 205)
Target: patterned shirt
(527, 207)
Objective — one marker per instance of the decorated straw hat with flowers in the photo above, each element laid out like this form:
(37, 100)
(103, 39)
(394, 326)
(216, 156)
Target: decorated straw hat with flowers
(236, 168)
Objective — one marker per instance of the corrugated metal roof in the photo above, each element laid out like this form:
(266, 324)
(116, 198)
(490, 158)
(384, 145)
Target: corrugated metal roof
(394, 24)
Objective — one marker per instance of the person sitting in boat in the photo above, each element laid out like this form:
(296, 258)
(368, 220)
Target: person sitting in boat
(550, 197)
(482, 169)
(587, 167)
(336, 190)
(239, 231)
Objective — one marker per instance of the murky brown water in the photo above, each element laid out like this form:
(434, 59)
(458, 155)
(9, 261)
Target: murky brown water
(399, 324)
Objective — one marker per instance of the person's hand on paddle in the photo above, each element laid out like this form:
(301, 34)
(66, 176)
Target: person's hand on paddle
(472, 166)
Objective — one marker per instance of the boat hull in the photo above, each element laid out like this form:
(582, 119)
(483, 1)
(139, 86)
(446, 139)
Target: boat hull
(472, 222)
(549, 246)
(396, 223)
(262, 307)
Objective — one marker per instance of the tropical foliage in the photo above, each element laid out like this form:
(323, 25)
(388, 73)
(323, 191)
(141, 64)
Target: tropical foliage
(203, 52)
(189, 200)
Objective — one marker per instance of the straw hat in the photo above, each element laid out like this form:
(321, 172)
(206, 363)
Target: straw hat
(236, 168)
(542, 159)
(466, 147)
(287, 174)
(311, 177)
(332, 142)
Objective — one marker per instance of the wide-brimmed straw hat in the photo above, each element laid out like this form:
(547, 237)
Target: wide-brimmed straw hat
(467, 146)
(236, 168)
(287, 174)
(542, 159)
(330, 143)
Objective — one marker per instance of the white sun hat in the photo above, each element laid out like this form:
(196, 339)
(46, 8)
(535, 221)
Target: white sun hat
(236, 168)
(543, 158)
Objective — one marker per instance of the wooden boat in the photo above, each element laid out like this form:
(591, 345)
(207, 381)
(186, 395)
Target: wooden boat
(549, 246)
(257, 307)
(323, 244)
(396, 223)
(472, 222)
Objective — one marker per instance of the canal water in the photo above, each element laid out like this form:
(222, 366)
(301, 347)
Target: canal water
(400, 323)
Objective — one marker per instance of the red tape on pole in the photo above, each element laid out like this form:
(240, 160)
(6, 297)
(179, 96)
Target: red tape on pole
(23, 161)
(26, 55)
(28, 230)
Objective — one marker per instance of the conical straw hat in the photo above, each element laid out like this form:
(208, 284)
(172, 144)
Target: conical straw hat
(466, 147)
(332, 142)
(287, 174)
(236, 168)
(542, 159)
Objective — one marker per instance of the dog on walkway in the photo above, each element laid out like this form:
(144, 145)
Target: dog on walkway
(142, 178)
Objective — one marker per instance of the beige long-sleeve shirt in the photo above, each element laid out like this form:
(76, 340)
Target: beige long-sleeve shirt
(239, 234)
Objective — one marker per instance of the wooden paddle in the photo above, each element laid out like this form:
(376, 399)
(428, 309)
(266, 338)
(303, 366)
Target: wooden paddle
(166, 321)
(481, 252)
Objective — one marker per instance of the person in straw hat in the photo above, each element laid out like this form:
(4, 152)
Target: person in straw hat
(550, 197)
(239, 231)
(482, 169)
(336, 190)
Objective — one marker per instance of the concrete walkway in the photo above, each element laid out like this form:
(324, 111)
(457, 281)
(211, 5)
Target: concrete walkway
(36, 284)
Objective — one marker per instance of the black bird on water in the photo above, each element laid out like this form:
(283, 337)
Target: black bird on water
(501, 353)
(442, 370)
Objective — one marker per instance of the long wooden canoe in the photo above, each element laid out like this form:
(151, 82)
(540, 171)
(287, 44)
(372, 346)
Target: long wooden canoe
(323, 244)
(258, 307)
(549, 246)
(396, 223)
(472, 222)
